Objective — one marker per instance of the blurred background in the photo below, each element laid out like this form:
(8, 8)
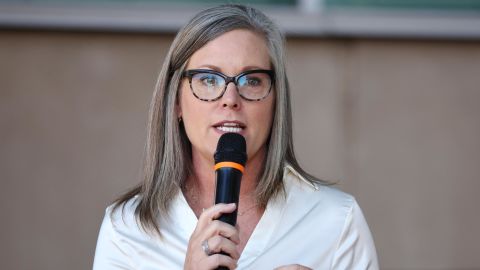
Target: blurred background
(385, 100)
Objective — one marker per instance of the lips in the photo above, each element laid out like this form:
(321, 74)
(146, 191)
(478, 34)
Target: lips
(230, 126)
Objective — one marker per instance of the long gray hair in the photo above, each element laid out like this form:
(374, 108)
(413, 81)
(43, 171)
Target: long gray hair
(167, 162)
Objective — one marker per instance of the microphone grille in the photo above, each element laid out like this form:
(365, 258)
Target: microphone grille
(231, 147)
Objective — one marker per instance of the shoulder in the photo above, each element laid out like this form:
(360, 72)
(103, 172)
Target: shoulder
(313, 193)
(329, 208)
(118, 225)
(121, 218)
(321, 208)
(123, 212)
(324, 207)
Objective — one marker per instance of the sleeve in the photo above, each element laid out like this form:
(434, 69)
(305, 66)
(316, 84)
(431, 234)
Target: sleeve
(355, 249)
(110, 253)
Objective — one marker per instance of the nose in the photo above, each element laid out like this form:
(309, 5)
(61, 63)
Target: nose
(231, 98)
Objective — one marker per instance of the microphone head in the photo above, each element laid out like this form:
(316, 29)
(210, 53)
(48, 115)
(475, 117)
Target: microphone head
(231, 147)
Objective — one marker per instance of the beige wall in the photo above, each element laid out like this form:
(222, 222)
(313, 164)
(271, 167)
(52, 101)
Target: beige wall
(395, 122)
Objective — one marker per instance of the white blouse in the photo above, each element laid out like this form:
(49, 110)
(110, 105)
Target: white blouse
(316, 226)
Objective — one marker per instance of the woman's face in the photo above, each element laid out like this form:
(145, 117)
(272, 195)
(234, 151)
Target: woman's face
(205, 121)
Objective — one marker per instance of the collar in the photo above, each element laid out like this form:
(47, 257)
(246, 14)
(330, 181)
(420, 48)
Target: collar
(289, 169)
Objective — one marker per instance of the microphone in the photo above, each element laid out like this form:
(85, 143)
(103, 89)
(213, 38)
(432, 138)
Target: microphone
(230, 158)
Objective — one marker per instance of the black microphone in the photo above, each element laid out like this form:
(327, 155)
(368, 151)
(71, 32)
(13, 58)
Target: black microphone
(230, 158)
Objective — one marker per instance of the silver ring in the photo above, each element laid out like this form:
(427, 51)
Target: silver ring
(205, 248)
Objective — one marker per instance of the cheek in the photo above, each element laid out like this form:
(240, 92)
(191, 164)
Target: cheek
(195, 114)
(187, 105)
(267, 113)
(263, 119)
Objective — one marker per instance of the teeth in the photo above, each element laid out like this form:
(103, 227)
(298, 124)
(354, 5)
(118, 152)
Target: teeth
(229, 129)
(230, 124)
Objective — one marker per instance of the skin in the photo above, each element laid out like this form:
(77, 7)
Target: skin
(231, 53)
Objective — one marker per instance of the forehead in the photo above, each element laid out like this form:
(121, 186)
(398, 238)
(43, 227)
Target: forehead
(233, 51)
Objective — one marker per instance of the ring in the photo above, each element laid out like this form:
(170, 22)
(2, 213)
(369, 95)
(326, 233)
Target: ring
(205, 248)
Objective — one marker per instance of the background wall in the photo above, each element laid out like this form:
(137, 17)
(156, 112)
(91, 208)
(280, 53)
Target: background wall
(395, 122)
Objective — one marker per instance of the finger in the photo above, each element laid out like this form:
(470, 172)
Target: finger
(215, 212)
(217, 227)
(221, 244)
(217, 260)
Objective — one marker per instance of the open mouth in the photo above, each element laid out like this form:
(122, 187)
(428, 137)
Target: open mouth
(230, 127)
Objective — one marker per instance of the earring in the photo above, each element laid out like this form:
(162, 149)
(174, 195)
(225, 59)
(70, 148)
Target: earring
(179, 119)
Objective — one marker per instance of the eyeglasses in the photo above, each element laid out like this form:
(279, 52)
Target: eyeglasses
(210, 85)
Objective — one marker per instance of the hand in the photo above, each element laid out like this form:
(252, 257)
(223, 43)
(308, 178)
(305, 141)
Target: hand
(218, 236)
(293, 267)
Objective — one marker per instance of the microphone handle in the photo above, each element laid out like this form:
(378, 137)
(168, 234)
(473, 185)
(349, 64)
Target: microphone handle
(228, 191)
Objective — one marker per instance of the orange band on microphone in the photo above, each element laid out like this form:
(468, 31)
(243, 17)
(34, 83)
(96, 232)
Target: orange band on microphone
(229, 164)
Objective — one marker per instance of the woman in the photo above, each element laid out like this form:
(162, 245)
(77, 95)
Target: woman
(225, 72)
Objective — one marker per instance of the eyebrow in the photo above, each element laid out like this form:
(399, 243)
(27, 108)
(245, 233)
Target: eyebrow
(215, 68)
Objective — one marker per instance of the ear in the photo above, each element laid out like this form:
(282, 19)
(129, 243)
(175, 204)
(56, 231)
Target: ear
(178, 109)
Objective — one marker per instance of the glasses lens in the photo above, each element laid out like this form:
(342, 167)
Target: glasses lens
(207, 85)
(254, 85)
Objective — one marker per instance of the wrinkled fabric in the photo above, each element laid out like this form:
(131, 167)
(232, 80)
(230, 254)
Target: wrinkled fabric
(313, 225)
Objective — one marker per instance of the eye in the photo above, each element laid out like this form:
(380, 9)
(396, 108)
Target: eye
(209, 80)
(253, 81)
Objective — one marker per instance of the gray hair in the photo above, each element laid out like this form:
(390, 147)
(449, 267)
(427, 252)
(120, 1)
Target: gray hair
(167, 161)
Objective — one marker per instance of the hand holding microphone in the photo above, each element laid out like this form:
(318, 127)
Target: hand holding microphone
(214, 242)
(218, 237)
